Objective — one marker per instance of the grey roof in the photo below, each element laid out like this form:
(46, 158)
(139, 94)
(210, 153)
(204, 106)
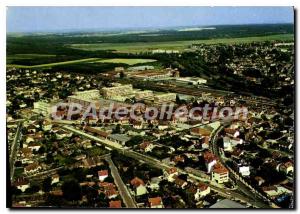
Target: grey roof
(142, 67)
(120, 137)
(226, 203)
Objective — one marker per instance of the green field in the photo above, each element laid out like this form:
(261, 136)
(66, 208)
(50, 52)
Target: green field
(29, 56)
(53, 64)
(175, 45)
(125, 61)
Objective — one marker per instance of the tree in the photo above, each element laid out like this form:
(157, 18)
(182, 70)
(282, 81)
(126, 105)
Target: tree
(35, 188)
(109, 180)
(53, 200)
(92, 196)
(71, 190)
(102, 200)
(79, 174)
(46, 186)
(42, 150)
(49, 158)
(117, 129)
(134, 141)
(18, 164)
(36, 95)
(122, 75)
(15, 191)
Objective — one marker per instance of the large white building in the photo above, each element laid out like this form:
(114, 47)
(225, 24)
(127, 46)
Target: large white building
(89, 94)
(44, 107)
(191, 80)
(85, 98)
(143, 94)
(164, 97)
(116, 91)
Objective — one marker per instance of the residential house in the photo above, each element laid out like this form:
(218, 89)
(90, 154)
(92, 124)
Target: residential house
(244, 170)
(26, 154)
(111, 193)
(31, 128)
(199, 191)
(162, 125)
(87, 183)
(200, 131)
(205, 142)
(57, 192)
(146, 146)
(22, 184)
(287, 167)
(259, 180)
(227, 144)
(63, 134)
(47, 125)
(232, 132)
(219, 173)
(115, 204)
(179, 182)
(276, 190)
(32, 168)
(86, 144)
(137, 124)
(202, 190)
(156, 202)
(210, 160)
(231, 142)
(54, 178)
(178, 158)
(154, 183)
(102, 174)
(139, 186)
(109, 190)
(170, 173)
(34, 146)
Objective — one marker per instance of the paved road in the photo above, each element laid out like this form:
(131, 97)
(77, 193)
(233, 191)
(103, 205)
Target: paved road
(158, 164)
(124, 192)
(14, 149)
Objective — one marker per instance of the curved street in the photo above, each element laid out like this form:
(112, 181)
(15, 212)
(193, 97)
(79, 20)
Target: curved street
(256, 199)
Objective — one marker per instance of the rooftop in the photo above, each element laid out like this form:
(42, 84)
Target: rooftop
(226, 203)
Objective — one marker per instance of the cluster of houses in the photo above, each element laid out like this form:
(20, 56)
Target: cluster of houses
(269, 58)
(140, 187)
(245, 151)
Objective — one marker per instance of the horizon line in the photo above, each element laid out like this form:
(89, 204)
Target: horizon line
(118, 29)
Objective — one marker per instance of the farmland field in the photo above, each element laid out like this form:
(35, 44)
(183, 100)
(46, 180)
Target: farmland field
(53, 64)
(175, 45)
(125, 61)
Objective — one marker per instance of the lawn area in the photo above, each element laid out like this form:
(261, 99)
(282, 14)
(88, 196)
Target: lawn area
(125, 61)
(175, 45)
(54, 64)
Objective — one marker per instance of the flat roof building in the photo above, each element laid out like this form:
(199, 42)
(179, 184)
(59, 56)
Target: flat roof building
(226, 203)
(117, 90)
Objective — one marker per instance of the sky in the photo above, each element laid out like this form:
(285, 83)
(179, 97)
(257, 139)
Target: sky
(49, 19)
